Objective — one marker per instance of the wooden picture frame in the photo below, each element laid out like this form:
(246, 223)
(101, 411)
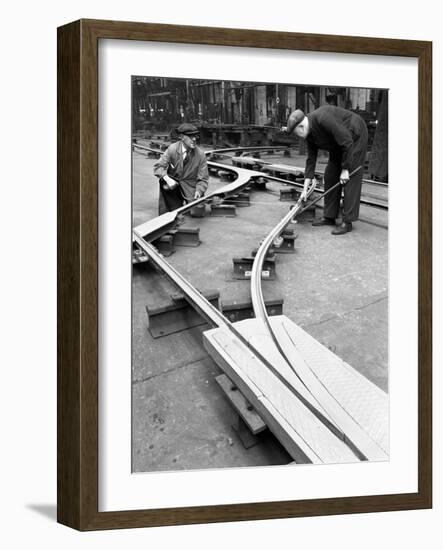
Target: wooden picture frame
(78, 274)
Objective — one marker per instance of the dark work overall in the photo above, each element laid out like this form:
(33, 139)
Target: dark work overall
(344, 135)
(169, 200)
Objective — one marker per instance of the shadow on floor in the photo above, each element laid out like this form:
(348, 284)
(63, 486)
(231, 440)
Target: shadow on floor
(49, 511)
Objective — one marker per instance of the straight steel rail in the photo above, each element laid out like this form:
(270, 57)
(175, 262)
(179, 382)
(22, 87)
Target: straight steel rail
(374, 203)
(258, 161)
(216, 319)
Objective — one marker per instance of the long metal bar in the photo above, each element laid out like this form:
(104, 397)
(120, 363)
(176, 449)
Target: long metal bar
(321, 172)
(261, 313)
(203, 306)
(154, 226)
(249, 148)
(376, 204)
(217, 319)
(258, 303)
(261, 148)
(317, 199)
(146, 148)
(257, 267)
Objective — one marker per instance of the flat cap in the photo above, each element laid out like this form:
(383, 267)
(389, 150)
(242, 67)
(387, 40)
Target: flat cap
(294, 120)
(188, 129)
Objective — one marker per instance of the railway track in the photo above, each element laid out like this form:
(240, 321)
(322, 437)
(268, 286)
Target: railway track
(268, 170)
(353, 435)
(312, 417)
(293, 173)
(316, 409)
(154, 228)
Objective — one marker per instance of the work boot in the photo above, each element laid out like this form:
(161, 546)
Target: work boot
(323, 221)
(343, 228)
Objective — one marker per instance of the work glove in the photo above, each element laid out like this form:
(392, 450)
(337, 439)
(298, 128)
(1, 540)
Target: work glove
(198, 195)
(344, 177)
(169, 183)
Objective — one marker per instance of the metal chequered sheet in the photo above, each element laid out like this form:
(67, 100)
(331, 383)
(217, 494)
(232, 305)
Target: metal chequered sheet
(363, 400)
(328, 447)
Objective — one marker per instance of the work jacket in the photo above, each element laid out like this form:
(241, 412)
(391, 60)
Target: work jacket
(192, 174)
(340, 132)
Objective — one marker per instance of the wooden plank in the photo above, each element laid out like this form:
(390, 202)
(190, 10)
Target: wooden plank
(350, 400)
(363, 400)
(250, 416)
(296, 447)
(300, 431)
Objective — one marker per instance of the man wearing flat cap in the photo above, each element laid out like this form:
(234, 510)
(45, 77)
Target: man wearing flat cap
(344, 135)
(182, 171)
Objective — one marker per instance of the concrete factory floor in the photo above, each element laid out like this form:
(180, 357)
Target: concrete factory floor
(334, 287)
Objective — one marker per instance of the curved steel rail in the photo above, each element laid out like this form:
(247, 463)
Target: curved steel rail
(216, 319)
(375, 203)
(299, 389)
(258, 173)
(151, 229)
(332, 407)
(256, 290)
(228, 150)
(270, 148)
(258, 302)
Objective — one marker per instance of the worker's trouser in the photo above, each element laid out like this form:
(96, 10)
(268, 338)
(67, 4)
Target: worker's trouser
(352, 190)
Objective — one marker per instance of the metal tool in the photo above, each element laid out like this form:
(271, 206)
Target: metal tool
(317, 199)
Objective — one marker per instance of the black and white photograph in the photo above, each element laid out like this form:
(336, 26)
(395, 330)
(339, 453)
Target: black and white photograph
(223, 334)
(259, 274)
